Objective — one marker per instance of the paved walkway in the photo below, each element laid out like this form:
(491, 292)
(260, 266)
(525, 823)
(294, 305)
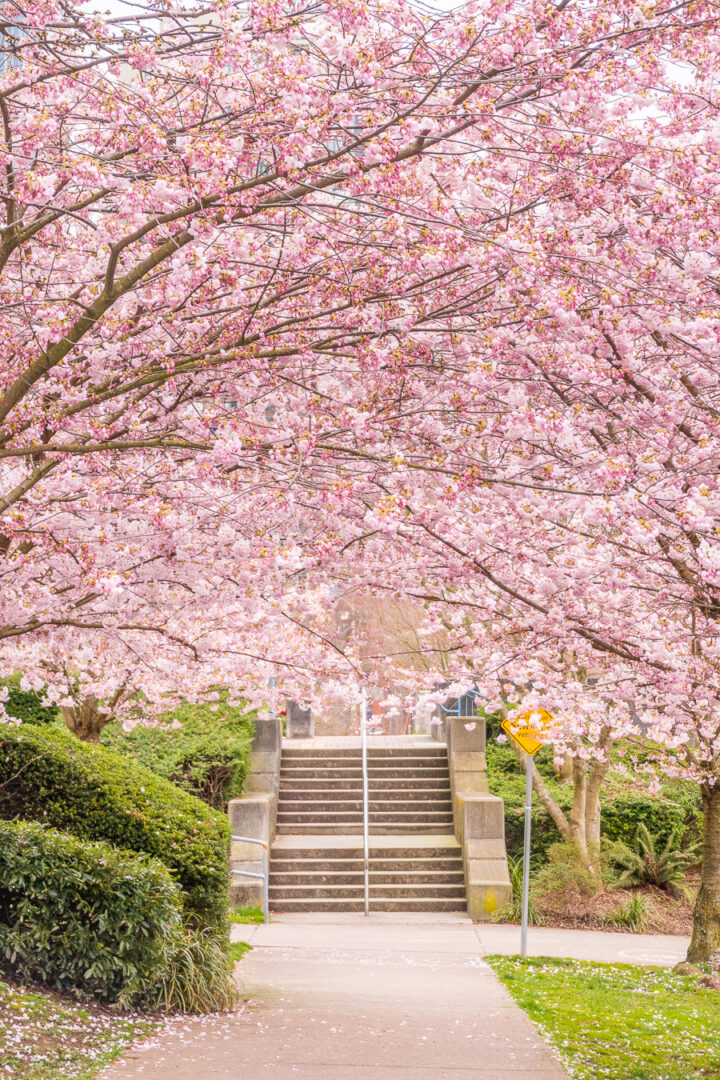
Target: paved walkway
(405, 998)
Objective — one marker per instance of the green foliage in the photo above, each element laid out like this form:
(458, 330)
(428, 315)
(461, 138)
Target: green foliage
(633, 915)
(208, 755)
(513, 912)
(564, 870)
(507, 780)
(44, 1037)
(676, 809)
(83, 916)
(197, 977)
(28, 706)
(247, 915)
(618, 1021)
(238, 950)
(648, 864)
(50, 776)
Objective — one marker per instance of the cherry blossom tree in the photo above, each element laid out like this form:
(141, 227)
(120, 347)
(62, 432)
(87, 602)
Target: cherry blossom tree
(423, 305)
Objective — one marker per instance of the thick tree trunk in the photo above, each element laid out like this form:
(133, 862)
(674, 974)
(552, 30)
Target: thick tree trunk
(85, 720)
(705, 943)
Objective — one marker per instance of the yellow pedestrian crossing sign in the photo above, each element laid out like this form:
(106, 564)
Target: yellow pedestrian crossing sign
(529, 730)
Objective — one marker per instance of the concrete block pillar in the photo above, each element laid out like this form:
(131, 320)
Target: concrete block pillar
(300, 722)
(479, 819)
(255, 814)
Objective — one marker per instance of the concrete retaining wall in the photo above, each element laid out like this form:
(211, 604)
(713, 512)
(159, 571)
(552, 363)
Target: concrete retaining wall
(255, 814)
(479, 820)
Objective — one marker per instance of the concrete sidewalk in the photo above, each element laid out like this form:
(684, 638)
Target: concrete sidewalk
(404, 998)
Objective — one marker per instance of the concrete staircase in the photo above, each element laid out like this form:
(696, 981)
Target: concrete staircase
(317, 857)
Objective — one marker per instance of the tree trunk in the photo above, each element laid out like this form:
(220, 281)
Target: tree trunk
(596, 777)
(705, 943)
(85, 720)
(576, 817)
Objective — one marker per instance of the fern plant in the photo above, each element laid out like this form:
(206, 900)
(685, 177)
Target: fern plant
(645, 864)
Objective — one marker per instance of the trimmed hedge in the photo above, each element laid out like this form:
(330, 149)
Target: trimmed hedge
(208, 756)
(50, 776)
(83, 916)
(28, 705)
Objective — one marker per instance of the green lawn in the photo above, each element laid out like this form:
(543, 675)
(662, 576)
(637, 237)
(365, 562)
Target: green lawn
(619, 1021)
(43, 1037)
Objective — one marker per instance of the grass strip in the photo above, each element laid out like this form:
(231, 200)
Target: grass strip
(45, 1037)
(618, 1021)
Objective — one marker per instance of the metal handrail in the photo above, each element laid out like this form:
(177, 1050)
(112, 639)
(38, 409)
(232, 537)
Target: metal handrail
(366, 799)
(264, 877)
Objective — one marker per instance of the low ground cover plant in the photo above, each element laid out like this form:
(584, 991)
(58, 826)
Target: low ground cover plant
(616, 1021)
(46, 1037)
(48, 775)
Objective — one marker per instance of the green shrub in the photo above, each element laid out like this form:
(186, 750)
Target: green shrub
(208, 756)
(28, 706)
(676, 809)
(513, 912)
(646, 863)
(197, 977)
(82, 915)
(507, 780)
(564, 870)
(633, 915)
(50, 776)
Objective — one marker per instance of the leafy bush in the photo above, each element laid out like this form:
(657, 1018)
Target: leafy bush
(623, 808)
(563, 871)
(633, 915)
(83, 916)
(208, 756)
(676, 809)
(507, 780)
(28, 706)
(197, 977)
(50, 776)
(513, 912)
(646, 864)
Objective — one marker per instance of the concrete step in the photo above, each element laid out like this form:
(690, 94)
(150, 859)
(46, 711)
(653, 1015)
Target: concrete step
(354, 892)
(385, 817)
(352, 794)
(305, 867)
(302, 772)
(349, 828)
(420, 878)
(406, 903)
(390, 783)
(334, 806)
(381, 851)
(373, 752)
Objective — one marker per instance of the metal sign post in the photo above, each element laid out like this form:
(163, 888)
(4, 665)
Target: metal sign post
(526, 853)
(529, 732)
(366, 813)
